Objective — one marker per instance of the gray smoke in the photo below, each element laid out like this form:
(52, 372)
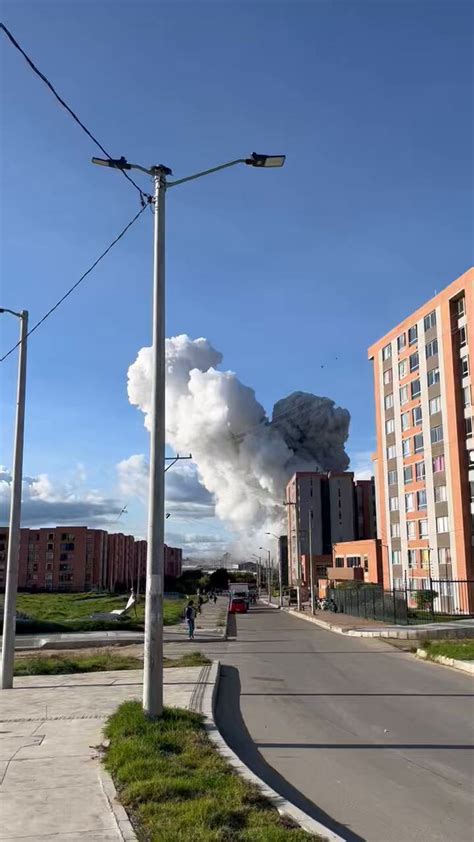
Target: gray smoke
(243, 458)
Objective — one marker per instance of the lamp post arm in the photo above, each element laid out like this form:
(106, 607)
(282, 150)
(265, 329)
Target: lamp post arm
(205, 172)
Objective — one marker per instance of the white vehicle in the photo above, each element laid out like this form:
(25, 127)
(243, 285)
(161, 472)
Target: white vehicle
(239, 590)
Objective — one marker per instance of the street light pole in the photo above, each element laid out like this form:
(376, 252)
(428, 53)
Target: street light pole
(280, 572)
(269, 584)
(11, 584)
(310, 543)
(153, 642)
(153, 648)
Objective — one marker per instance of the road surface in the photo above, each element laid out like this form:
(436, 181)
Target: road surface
(370, 741)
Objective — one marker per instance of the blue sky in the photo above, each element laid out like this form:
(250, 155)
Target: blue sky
(283, 271)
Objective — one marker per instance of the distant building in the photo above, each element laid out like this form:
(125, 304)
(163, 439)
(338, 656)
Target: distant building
(424, 463)
(325, 506)
(76, 558)
(364, 511)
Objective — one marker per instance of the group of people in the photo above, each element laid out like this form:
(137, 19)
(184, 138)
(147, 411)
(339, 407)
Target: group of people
(192, 610)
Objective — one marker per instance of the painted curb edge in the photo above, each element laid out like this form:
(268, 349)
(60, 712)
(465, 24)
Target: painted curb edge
(206, 708)
(124, 825)
(462, 666)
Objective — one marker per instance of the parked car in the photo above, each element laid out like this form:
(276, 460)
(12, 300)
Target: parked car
(238, 606)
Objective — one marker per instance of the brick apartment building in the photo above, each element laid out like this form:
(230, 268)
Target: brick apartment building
(76, 558)
(424, 462)
(333, 508)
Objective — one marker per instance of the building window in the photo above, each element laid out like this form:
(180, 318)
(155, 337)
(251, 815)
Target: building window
(390, 426)
(387, 352)
(389, 401)
(414, 362)
(418, 442)
(433, 376)
(464, 366)
(436, 434)
(391, 452)
(395, 530)
(402, 369)
(405, 421)
(423, 524)
(438, 463)
(431, 349)
(440, 494)
(421, 499)
(460, 307)
(466, 396)
(409, 502)
(402, 341)
(408, 475)
(395, 556)
(442, 524)
(425, 559)
(462, 336)
(417, 416)
(392, 477)
(339, 562)
(411, 530)
(444, 555)
(387, 376)
(51, 536)
(411, 559)
(403, 395)
(415, 386)
(435, 405)
(468, 425)
(353, 561)
(412, 335)
(430, 320)
(393, 504)
(420, 471)
(406, 447)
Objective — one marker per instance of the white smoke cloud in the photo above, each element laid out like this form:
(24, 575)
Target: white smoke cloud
(186, 497)
(243, 459)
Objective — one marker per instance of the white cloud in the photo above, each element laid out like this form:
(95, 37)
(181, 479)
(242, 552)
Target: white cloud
(186, 497)
(45, 503)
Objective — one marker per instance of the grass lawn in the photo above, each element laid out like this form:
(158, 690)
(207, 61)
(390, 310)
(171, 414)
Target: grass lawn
(61, 664)
(177, 788)
(461, 650)
(71, 612)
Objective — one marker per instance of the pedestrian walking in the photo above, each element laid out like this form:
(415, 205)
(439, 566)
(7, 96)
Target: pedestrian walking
(215, 598)
(200, 603)
(190, 617)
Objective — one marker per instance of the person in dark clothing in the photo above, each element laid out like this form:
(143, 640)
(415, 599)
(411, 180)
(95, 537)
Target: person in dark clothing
(190, 617)
(200, 603)
(215, 598)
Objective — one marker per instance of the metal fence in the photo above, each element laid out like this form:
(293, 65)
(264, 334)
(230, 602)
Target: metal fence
(414, 601)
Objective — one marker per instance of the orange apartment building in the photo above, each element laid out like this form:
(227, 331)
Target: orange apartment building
(76, 558)
(424, 462)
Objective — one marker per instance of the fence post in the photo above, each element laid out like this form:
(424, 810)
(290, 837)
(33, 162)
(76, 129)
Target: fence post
(358, 606)
(394, 605)
(373, 604)
(431, 598)
(383, 603)
(406, 599)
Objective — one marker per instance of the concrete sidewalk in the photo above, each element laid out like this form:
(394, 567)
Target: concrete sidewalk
(360, 627)
(52, 785)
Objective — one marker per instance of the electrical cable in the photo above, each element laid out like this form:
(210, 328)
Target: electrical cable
(74, 286)
(145, 198)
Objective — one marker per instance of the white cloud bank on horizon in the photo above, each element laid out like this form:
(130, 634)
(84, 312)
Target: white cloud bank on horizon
(47, 504)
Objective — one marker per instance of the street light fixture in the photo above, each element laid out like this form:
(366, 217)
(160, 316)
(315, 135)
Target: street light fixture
(153, 644)
(11, 584)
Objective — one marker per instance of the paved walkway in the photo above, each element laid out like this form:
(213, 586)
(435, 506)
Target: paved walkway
(210, 627)
(52, 786)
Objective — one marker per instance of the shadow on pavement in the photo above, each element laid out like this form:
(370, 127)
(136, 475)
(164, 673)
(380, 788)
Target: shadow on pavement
(232, 727)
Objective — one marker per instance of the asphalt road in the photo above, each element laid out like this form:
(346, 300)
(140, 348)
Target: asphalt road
(377, 745)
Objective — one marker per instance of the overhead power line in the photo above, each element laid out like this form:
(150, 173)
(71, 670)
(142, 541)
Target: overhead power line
(74, 286)
(144, 197)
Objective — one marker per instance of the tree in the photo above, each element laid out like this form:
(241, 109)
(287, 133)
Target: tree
(219, 579)
(425, 599)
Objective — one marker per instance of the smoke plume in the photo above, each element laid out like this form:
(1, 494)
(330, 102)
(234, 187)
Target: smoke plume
(243, 458)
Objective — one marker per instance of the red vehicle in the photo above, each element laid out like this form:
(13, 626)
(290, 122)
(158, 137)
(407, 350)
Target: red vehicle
(238, 606)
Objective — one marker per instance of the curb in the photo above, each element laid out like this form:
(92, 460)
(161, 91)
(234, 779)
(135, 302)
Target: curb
(124, 825)
(461, 666)
(269, 604)
(206, 707)
(402, 632)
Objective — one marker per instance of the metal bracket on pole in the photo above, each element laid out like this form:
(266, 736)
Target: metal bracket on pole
(173, 459)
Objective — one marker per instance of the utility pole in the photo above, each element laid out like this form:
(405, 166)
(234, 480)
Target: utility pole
(280, 573)
(310, 541)
(153, 648)
(11, 584)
